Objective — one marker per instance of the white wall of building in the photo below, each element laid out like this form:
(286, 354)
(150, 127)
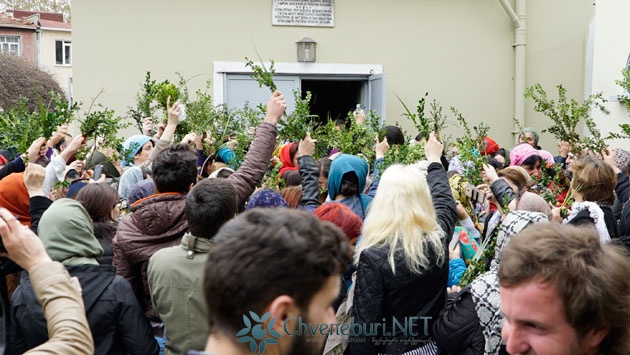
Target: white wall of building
(610, 55)
(460, 51)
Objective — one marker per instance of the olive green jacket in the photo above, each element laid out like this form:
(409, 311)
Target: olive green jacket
(176, 284)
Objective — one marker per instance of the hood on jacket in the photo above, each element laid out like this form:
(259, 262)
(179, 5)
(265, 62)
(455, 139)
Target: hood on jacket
(343, 164)
(67, 233)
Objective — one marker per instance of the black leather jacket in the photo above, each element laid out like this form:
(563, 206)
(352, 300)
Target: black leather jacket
(381, 294)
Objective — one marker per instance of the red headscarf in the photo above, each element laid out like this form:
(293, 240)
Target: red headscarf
(286, 157)
(14, 197)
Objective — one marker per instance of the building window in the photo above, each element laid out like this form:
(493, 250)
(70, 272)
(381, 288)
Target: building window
(63, 52)
(10, 44)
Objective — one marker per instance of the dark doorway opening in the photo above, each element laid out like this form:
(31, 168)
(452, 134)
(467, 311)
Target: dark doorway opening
(333, 99)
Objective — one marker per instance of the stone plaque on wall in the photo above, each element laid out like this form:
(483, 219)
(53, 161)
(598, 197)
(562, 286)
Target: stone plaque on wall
(318, 13)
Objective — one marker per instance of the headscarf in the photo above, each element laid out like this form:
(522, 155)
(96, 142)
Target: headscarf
(532, 203)
(343, 164)
(533, 132)
(286, 157)
(3, 160)
(132, 146)
(266, 199)
(520, 153)
(485, 288)
(490, 146)
(67, 233)
(622, 158)
(14, 197)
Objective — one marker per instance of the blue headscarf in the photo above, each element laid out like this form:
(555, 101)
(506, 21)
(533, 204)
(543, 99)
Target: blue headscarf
(343, 164)
(134, 144)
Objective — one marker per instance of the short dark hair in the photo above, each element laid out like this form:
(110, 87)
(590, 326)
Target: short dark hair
(175, 169)
(63, 142)
(394, 135)
(210, 204)
(590, 278)
(265, 253)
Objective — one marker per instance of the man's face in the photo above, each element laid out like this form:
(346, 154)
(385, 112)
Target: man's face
(320, 311)
(535, 321)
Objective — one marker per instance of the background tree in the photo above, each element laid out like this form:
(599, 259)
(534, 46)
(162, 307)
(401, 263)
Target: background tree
(58, 6)
(21, 79)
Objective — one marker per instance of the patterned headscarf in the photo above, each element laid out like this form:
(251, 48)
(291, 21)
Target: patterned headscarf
(485, 289)
(622, 158)
(267, 199)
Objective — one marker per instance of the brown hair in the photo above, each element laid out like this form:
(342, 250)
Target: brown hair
(590, 278)
(265, 253)
(594, 179)
(293, 195)
(518, 176)
(98, 199)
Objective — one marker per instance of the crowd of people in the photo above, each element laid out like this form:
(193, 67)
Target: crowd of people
(177, 250)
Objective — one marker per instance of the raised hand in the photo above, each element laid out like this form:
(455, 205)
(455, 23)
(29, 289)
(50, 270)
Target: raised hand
(433, 149)
(275, 108)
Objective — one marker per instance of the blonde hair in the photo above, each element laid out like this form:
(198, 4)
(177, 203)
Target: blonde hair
(402, 217)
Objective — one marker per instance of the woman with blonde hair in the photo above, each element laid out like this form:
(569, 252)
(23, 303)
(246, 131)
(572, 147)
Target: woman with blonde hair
(402, 259)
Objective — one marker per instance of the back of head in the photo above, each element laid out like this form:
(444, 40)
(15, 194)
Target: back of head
(518, 176)
(210, 204)
(175, 169)
(394, 135)
(99, 200)
(14, 197)
(530, 202)
(402, 216)
(342, 216)
(263, 254)
(594, 179)
(591, 279)
(343, 164)
(67, 233)
(292, 195)
(142, 189)
(266, 198)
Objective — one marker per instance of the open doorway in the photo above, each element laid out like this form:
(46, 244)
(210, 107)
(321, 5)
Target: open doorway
(333, 99)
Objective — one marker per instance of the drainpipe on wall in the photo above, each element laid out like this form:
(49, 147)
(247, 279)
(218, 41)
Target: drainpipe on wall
(38, 38)
(520, 60)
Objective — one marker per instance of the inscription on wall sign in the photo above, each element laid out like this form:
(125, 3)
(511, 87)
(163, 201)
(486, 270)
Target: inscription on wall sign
(319, 13)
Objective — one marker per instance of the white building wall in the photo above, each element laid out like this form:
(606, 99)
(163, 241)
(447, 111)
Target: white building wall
(460, 51)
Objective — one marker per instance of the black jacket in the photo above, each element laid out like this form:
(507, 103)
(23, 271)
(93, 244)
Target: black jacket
(116, 320)
(380, 294)
(457, 329)
(583, 218)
